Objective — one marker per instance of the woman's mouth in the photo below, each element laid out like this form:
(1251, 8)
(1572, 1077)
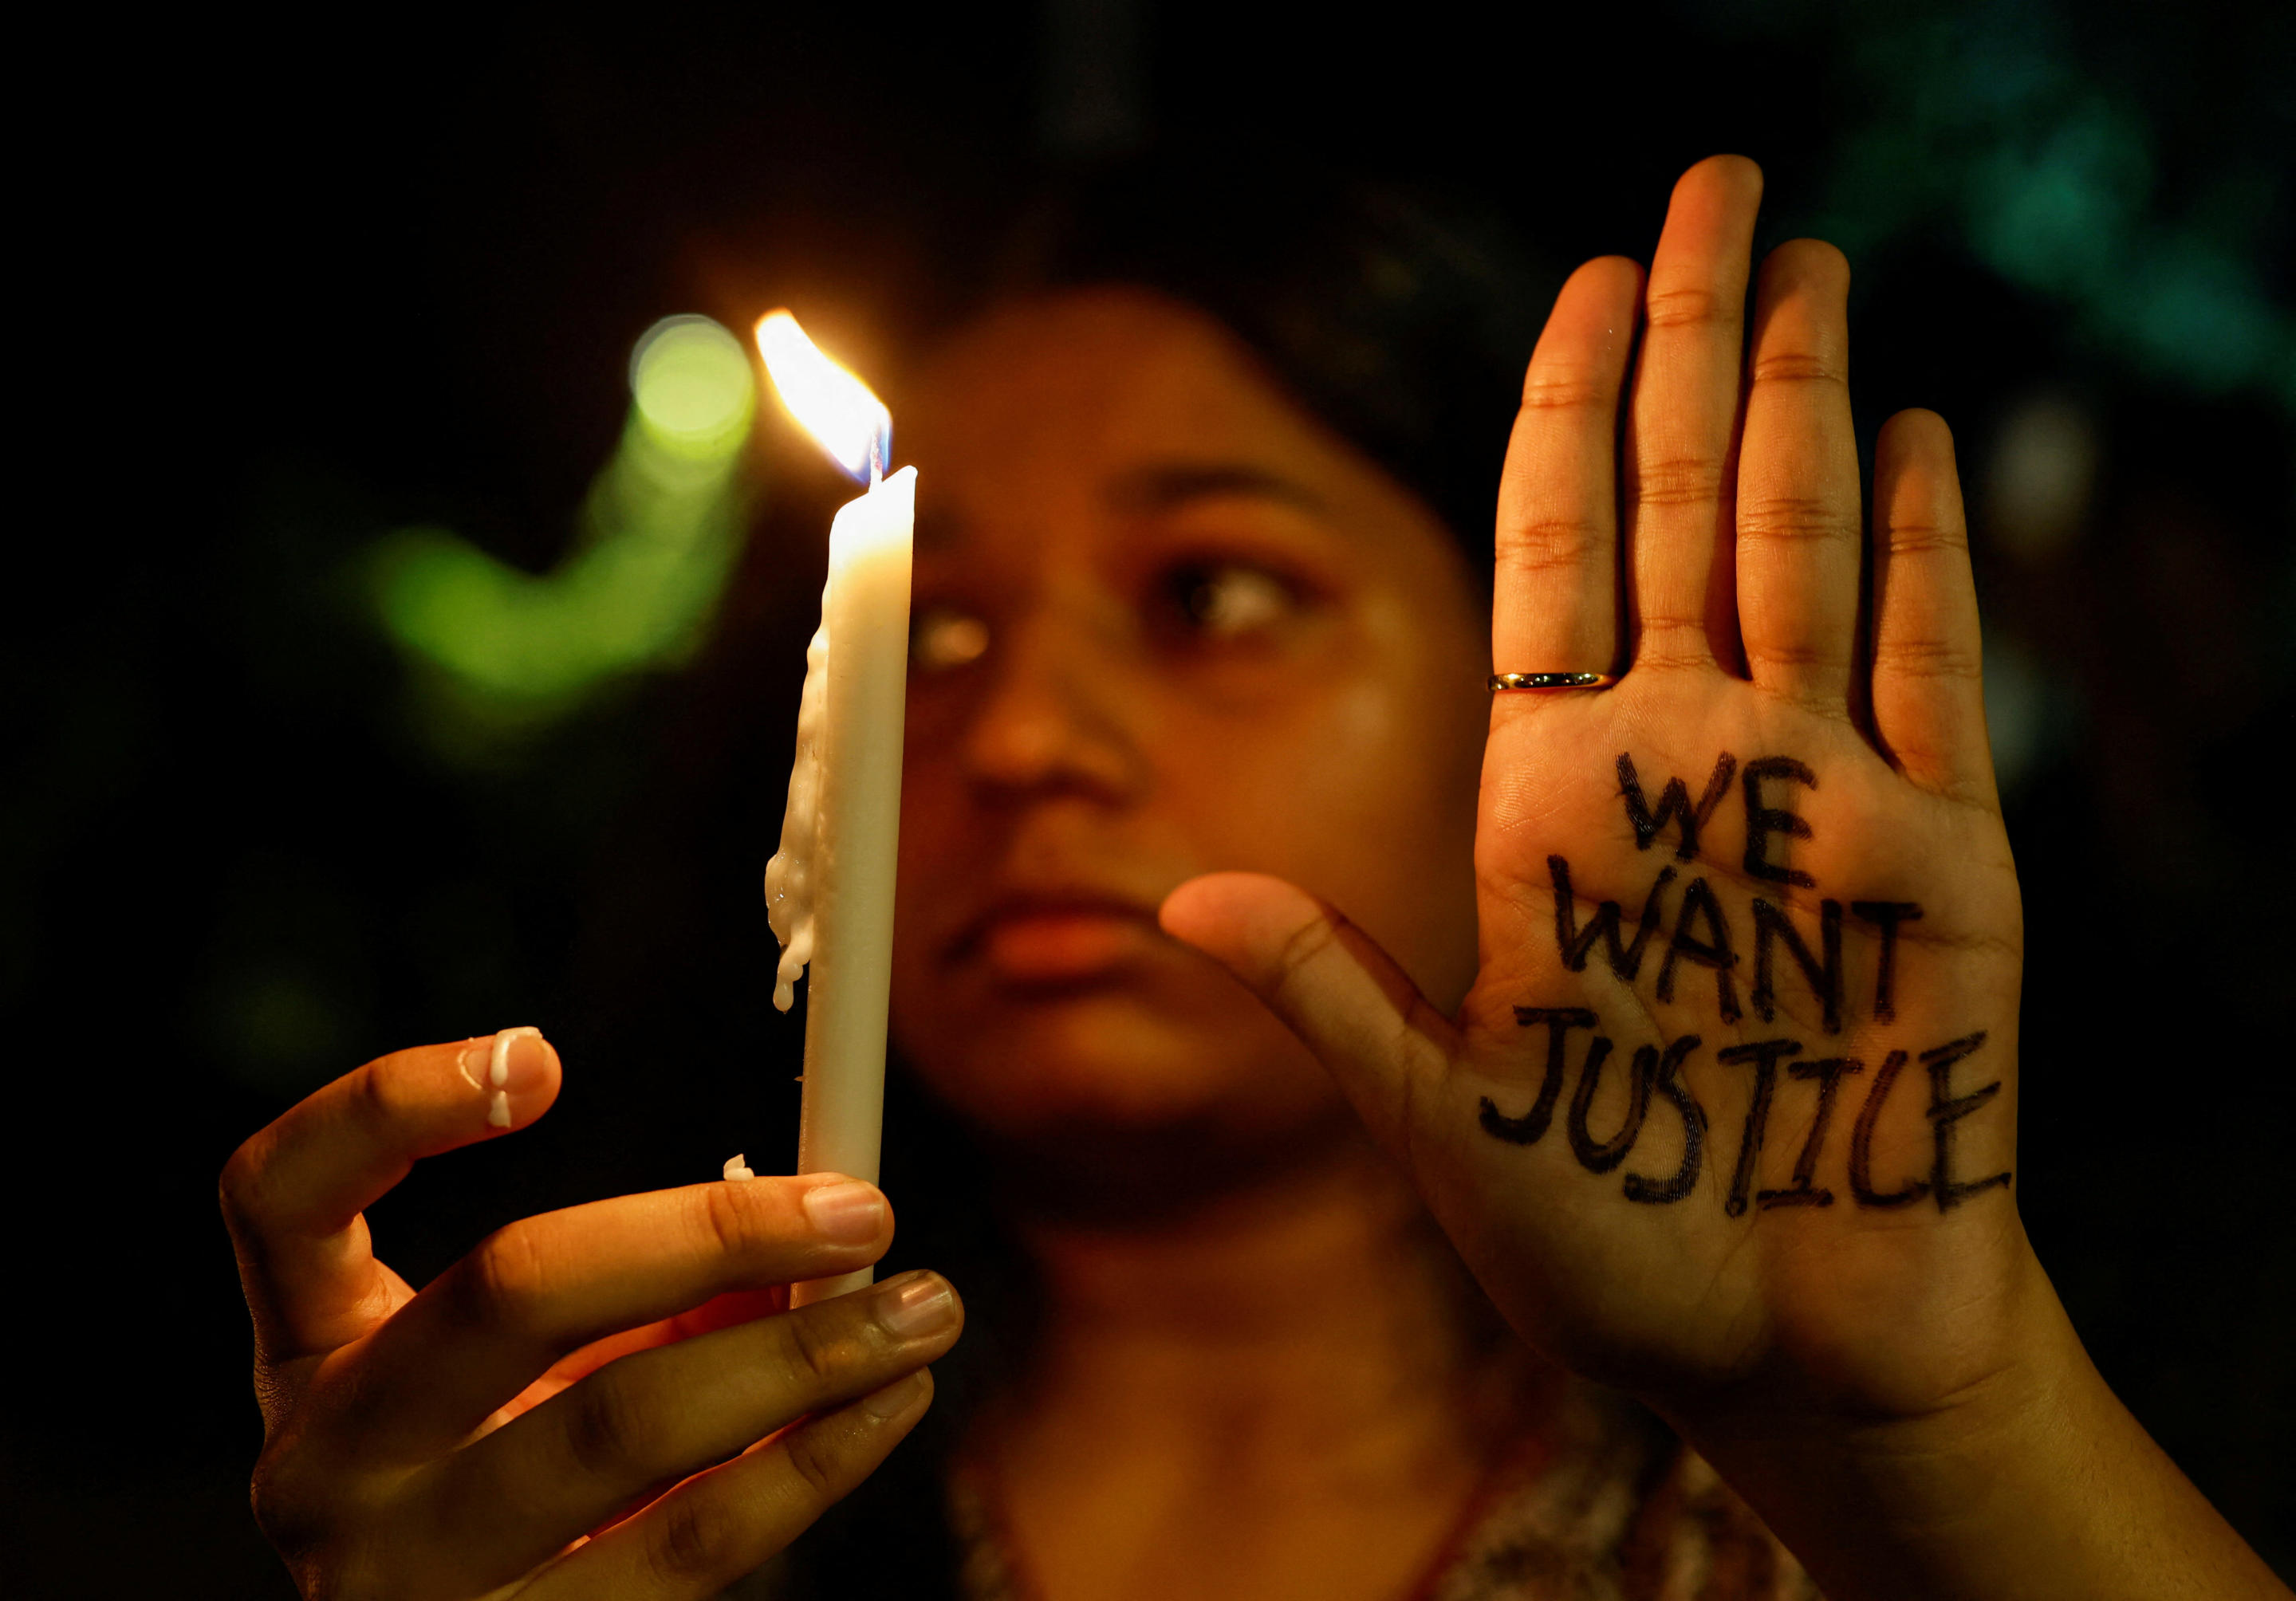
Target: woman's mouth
(1051, 943)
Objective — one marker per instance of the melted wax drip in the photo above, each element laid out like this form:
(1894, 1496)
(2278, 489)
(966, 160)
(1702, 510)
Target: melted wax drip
(789, 875)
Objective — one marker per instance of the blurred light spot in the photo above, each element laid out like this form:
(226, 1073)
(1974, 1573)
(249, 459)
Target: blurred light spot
(2191, 306)
(692, 385)
(945, 638)
(2050, 214)
(2043, 474)
(1985, 120)
(506, 651)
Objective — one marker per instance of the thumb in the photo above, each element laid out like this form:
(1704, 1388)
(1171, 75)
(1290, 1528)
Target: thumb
(1358, 1011)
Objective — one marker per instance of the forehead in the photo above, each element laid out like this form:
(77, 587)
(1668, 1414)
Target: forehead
(1076, 384)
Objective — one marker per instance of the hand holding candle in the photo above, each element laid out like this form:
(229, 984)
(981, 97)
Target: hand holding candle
(829, 889)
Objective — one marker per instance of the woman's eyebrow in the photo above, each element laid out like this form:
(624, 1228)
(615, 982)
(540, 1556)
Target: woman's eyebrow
(1167, 487)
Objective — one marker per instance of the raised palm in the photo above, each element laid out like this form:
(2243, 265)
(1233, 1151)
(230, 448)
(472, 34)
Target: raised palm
(1717, 1117)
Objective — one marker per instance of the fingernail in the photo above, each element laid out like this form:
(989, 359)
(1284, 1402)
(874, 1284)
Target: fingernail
(502, 1065)
(499, 1058)
(915, 1305)
(895, 1398)
(850, 1213)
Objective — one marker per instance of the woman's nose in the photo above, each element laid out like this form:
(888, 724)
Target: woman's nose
(1060, 714)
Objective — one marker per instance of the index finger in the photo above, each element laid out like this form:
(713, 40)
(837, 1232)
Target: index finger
(293, 1194)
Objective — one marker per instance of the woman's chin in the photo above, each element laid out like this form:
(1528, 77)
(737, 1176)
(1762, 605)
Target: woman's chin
(1101, 1064)
(1126, 1162)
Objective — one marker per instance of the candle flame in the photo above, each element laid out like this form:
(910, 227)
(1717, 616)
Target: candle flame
(835, 407)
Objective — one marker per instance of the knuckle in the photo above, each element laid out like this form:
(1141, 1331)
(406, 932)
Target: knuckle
(1792, 655)
(815, 1461)
(1665, 640)
(380, 1095)
(1794, 519)
(1567, 391)
(332, 1537)
(1695, 480)
(1799, 367)
(286, 1510)
(724, 1217)
(813, 1348)
(1664, 660)
(607, 1429)
(239, 1187)
(497, 1286)
(696, 1537)
(1683, 306)
(1926, 658)
(1814, 683)
(1303, 946)
(1553, 545)
(1925, 539)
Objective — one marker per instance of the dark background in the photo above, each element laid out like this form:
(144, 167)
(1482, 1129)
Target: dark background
(297, 290)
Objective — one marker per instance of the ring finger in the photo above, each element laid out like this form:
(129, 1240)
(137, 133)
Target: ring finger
(722, 1525)
(640, 1425)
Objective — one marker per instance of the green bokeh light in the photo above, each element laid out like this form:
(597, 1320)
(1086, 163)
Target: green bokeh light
(1982, 116)
(502, 652)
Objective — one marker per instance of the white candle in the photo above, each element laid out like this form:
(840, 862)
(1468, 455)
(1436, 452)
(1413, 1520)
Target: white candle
(829, 888)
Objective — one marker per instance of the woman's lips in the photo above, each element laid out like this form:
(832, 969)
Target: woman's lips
(1050, 944)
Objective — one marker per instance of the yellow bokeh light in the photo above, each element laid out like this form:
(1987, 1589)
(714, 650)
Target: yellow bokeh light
(693, 386)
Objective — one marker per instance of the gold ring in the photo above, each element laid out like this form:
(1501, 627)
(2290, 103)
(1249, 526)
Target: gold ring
(1553, 681)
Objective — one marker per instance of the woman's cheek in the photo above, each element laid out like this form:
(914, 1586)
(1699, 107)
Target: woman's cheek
(1365, 795)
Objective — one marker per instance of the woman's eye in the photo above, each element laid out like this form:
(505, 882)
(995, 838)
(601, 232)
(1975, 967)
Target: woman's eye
(1227, 601)
(943, 637)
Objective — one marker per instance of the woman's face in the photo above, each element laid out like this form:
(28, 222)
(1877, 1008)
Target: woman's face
(1167, 623)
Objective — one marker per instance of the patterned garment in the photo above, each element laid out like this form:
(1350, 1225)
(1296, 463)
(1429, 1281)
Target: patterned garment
(1613, 1509)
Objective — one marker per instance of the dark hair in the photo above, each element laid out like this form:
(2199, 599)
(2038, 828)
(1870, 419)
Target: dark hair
(1400, 315)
